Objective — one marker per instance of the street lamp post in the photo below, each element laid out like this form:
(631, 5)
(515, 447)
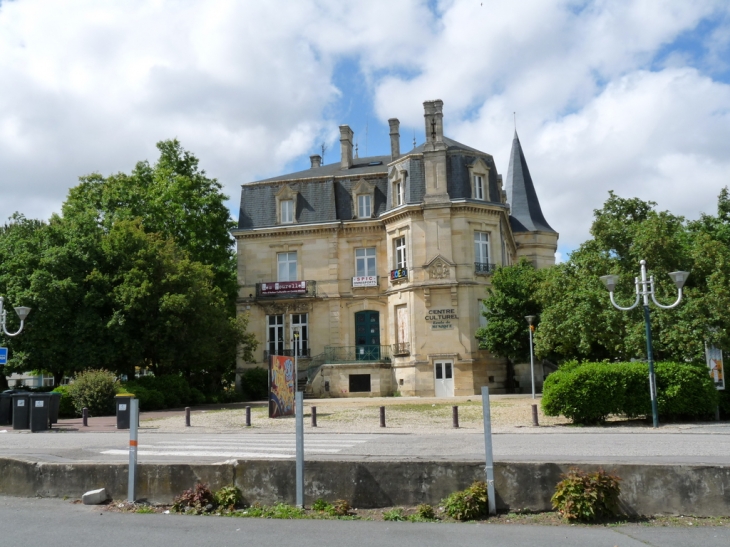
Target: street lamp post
(644, 289)
(22, 313)
(530, 320)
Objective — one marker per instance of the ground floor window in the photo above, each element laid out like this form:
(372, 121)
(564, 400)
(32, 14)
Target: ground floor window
(275, 334)
(359, 383)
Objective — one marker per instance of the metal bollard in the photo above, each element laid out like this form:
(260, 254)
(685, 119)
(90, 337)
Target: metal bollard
(455, 417)
(314, 416)
(187, 416)
(248, 416)
(382, 416)
(534, 416)
(85, 417)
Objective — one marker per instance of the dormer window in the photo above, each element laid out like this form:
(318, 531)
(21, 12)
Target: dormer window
(363, 198)
(479, 172)
(287, 211)
(478, 187)
(364, 206)
(398, 193)
(286, 205)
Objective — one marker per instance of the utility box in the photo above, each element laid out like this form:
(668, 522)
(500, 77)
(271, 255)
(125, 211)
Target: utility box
(40, 411)
(21, 410)
(123, 410)
(6, 409)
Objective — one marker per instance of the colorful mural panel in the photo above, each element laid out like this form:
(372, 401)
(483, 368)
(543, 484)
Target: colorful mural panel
(281, 386)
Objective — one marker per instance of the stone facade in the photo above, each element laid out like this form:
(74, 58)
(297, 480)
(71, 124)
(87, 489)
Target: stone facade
(380, 264)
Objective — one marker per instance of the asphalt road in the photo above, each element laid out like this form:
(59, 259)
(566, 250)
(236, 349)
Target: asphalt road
(708, 445)
(62, 524)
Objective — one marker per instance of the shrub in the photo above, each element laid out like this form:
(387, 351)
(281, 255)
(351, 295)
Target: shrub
(195, 500)
(340, 508)
(95, 390)
(425, 512)
(229, 497)
(149, 399)
(587, 496)
(66, 408)
(255, 384)
(395, 515)
(468, 504)
(590, 392)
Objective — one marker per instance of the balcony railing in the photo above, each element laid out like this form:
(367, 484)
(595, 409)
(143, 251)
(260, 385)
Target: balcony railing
(401, 348)
(483, 268)
(286, 289)
(356, 354)
(303, 353)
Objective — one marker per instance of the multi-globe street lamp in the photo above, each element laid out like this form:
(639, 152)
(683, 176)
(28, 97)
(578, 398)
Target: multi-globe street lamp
(644, 289)
(530, 320)
(22, 312)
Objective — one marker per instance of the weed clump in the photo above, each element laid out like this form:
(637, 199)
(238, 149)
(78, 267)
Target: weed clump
(468, 504)
(587, 496)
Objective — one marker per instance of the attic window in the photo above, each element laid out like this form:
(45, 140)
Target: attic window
(479, 173)
(286, 205)
(375, 163)
(287, 211)
(363, 198)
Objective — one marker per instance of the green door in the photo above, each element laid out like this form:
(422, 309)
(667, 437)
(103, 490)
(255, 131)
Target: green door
(367, 336)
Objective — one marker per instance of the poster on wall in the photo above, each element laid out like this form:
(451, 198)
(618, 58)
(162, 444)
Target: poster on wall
(281, 386)
(714, 363)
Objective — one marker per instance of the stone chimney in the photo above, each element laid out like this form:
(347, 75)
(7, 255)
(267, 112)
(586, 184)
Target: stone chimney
(316, 161)
(394, 137)
(434, 118)
(346, 135)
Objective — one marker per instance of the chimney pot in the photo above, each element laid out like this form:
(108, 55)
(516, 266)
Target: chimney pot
(394, 137)
(316, 161)
(434, 118)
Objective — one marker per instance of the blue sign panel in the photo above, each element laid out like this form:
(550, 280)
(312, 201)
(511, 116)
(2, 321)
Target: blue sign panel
(3, 356)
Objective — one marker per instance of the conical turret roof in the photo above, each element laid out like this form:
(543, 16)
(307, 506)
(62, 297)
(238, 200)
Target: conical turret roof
(525, 212)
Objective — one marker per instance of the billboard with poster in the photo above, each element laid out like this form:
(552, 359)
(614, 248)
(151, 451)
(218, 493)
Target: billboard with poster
(714, 363)
(281, 386)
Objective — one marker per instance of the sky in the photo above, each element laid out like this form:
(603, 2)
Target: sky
(630, 96)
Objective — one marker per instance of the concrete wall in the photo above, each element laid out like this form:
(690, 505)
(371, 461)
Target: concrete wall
(645, 489)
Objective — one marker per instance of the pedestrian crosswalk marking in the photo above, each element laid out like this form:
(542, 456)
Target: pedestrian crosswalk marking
(249, 446)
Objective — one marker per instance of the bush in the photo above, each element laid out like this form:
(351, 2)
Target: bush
(66, 408)
(425, 512)
(590, 392)
(149, 399)
(95, 390)
(468, 504)
(195, 500)
(160, 392)
(255, 384)
(587, 496)
(229, 497)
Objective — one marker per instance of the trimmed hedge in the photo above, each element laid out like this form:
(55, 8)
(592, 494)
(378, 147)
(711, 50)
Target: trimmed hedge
(66, 408)
(95, 390)
(587, 393)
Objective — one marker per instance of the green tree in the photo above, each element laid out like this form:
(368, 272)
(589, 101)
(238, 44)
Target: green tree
(512, 297)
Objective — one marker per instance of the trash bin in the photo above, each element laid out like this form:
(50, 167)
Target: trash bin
(21, 410)
(123, 410)
(40, 411)
(6, 408)
(55, 407)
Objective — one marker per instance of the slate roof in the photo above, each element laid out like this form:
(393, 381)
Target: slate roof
(361, 166)
(526, 214)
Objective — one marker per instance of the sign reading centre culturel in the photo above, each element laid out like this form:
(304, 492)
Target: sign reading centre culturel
(441, 319)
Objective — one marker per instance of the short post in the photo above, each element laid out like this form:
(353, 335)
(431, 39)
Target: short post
(717, 413)
(382, 416)
(489, 468)
(133, 422)
(248, 416)
(314, 416)
(455, 417)
(534, 416)
(85, 417)
(299, 401)
(187, 416)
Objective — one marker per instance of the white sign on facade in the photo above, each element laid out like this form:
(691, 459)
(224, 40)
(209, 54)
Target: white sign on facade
(714, 363)
(441, 319)
(365, 281)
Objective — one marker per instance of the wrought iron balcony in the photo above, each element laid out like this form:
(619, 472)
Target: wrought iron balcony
(304, 353)
(286, 289)
(401, 348)
(356, 354)
(484, 268)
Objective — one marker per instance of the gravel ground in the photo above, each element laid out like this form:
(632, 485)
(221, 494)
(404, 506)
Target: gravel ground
(510, 413)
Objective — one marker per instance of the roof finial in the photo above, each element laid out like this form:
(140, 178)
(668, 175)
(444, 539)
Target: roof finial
(414, 138)
(514, 114)
(356, 150)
